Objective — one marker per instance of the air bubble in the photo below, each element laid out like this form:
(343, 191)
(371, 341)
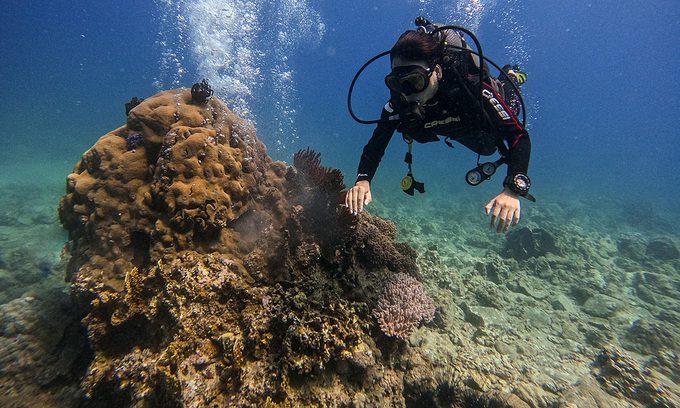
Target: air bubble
(232, 43)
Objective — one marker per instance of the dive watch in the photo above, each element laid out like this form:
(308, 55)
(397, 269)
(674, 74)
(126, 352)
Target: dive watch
(519, 183)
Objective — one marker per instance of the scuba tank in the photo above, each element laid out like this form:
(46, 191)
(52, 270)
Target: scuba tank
(454, 52)
(446, 37)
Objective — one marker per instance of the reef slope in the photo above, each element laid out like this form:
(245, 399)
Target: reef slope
(207, 274)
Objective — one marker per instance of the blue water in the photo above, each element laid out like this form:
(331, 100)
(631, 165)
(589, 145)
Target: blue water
(603, 94)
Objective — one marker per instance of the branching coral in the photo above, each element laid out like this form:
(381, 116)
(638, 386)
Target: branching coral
(403, 305)
(324, 179)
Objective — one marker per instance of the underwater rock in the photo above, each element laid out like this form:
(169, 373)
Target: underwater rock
(8, 286)
(6, 279)
(489, 294)
(45, 218)
(495, 268)
(526, 243)
(39, 346)
(632, 247)
(537, 318)
(7, 219)
(482, 317)
(622, 376)
(668, 363)
(561, 302)
(651, 336)
(662, 249)
(25, 268)
(581, 293)
(656, 289)
(597, 337)
(527, 287)
(601, 305)
(206, 273)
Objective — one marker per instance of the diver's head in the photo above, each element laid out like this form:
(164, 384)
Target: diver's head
(415, 66)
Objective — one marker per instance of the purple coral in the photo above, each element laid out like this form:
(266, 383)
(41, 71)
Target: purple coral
(402, 306)
(134, 140)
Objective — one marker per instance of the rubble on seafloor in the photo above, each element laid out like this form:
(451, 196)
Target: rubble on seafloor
(538, 309)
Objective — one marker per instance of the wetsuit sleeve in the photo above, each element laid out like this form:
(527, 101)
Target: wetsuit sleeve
(375, 148)
(519, 152)
(513, 134)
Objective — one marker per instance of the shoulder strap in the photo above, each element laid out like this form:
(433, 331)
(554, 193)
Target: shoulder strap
(452, 40)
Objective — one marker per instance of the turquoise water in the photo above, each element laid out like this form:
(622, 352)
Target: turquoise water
(602, 101)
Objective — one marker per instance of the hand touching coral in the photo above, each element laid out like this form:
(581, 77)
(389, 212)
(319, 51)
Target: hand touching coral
(358, 196)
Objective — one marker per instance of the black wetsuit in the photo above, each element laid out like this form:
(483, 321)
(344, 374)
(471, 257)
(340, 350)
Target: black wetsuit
(454, 113)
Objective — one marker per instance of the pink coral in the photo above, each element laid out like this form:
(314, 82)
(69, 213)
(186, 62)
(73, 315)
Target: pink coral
(402, 306)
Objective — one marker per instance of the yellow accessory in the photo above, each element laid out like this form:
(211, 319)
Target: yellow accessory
(519, 75)
(406, 182)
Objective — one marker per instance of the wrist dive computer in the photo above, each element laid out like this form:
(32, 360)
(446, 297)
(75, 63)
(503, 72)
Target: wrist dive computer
(519, 183)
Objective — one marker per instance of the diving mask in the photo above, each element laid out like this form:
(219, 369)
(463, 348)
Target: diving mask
(409, 79)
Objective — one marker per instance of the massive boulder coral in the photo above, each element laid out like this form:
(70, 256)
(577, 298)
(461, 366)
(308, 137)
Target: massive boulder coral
(207, 274)
(197, 169)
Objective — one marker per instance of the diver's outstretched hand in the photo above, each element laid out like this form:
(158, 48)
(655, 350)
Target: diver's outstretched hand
(358, 196)
(504, 210)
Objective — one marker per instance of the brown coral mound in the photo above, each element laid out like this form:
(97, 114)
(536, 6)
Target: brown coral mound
(199, 169)
(208, 275)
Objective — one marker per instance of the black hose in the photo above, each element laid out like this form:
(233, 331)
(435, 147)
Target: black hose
(482, 58)
(351, 87)
(519, 94)
(479, 53)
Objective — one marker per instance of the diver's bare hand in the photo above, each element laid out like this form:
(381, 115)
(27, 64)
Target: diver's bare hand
(504, 210)
(358, 196)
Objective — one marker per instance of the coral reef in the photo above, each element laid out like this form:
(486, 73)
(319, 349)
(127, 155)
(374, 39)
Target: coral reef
(134, 140)
(132, 104)
(201, 92)
(403, 306)
(529, 317)
(207, 274)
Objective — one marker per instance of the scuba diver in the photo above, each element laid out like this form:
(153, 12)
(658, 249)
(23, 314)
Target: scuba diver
(439, 86)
